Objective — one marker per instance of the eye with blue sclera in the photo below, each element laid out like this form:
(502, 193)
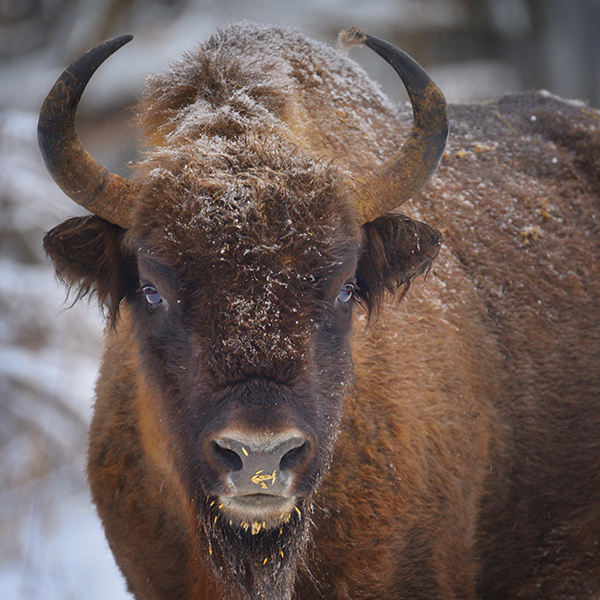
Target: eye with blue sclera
(346, 293)
(153, 298)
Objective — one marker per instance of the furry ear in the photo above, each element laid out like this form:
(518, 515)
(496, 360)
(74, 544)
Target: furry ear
(395, 250)
(89, 255)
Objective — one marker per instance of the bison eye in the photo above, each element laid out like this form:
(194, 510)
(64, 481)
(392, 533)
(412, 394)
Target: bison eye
(346, 293)
(153, 298)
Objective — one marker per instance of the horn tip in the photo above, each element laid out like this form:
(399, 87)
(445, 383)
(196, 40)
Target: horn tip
(354, 36)
(121, 40)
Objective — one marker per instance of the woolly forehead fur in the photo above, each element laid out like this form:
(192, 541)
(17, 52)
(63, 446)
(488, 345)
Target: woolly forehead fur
(266, 105)
(258, 225)
(272, 81)
(255, 139)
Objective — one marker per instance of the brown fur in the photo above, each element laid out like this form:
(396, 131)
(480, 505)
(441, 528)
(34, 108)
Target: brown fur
(467, 460)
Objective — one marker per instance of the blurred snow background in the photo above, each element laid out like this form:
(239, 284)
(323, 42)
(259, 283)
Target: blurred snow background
(51, 545)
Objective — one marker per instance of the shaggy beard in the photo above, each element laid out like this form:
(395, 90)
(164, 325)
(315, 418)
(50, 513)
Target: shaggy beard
(260, 565)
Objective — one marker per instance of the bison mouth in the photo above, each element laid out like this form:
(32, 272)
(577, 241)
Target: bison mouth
(269, 509)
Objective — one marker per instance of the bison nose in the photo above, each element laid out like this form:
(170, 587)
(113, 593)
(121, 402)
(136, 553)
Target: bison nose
(261, 464)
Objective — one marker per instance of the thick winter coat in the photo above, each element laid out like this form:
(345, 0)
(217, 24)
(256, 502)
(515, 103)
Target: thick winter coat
(271, 422)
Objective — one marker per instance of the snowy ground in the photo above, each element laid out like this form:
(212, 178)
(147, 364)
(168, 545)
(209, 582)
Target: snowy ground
(51, 545)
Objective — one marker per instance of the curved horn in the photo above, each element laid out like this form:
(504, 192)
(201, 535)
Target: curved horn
(81, 177)
(405, 173)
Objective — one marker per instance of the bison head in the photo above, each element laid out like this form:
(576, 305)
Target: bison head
(238, 257)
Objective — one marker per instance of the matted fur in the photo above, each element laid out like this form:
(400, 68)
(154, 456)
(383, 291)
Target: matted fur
(458, 450)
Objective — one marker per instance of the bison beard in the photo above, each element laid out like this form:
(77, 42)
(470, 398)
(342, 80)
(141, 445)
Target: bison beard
(252, 563)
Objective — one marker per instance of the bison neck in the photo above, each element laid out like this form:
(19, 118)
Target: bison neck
(418, 426)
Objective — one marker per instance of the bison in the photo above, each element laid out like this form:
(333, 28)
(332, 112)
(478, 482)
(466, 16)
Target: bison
(271, 422)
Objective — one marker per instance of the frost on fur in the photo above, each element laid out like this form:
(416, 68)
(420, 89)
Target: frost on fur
(351, 37)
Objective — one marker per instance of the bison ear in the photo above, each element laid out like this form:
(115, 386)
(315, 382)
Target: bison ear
(89, 256)
(395, 250)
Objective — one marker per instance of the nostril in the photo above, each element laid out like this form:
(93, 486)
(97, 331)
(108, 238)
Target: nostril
(292, 458)
(227, 456)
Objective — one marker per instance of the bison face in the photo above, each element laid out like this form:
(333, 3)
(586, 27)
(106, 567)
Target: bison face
(241, 289)
(242, 312)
